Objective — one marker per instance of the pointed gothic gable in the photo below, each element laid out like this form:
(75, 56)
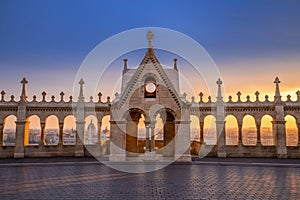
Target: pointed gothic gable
(150, 58)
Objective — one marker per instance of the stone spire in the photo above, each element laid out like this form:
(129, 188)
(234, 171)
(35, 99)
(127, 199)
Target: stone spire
(81, 97)
(23, 96)
(150, 55)
(125, 69)
(175, 64)
(219, 83)
(277, 91)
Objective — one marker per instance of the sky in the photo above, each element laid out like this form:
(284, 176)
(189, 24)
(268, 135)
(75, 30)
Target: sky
(251, 42)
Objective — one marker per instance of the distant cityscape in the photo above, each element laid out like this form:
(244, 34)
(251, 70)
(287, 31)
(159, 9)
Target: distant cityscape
(51, 136)
(69, 136)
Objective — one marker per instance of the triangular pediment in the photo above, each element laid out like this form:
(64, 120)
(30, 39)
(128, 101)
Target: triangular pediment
(149, 64)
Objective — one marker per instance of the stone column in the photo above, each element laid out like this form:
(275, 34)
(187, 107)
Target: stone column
(79, 151)
(152, 139)
(61, 134)
(21, 127)
(182, 141)
(131, 137)
(220, 125)
(1, 134)
(240, 128)
(147, 139)
(99, 132)
(258, 134)
(117, 141)
(201, 124)
(43, 133)
(280, 138)
(299, 134)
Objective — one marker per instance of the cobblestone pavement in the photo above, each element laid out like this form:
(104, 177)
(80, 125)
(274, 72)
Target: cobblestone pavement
(194, 181)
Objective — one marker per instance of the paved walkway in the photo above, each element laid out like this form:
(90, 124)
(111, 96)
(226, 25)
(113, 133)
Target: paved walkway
(211, 179)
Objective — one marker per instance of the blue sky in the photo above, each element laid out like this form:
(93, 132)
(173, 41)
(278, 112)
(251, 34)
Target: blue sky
(250, 41)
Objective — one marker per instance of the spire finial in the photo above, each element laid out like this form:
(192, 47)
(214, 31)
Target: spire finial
(125, 69)
(150, 36)
(81, 97)
(175, 64)
(277, 91)
(219, 83)
(24, 93)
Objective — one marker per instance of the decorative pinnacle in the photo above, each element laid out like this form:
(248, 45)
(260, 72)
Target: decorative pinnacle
(219, 83)
(125, 65)
(257, 95)
(2, 95)
(23, 94)
(150, 36)
(175, 64)
(62, 96)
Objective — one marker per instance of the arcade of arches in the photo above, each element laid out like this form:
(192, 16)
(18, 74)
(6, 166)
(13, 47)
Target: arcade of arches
(150, 119)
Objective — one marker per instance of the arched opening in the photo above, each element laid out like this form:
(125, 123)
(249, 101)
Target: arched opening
(159, 132)
(210, 130)
(231, 130)
(9, 130)
(249, 132)
(51, 131)
(105, 129)
(133, 120)
(69, 130)
(195, 128)
(169, 133)
(91, 130)
(105, 134)
(291, 130)
(195, 134)
(266, 131)
(34, 136)
(141, 134)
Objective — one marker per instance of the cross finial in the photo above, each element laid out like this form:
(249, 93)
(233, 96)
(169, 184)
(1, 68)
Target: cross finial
(23, 93)
(81, 97)
(277, 96)
(81, 82)
(277, 81)
(150, 36)
(201, 97)
(219, 82)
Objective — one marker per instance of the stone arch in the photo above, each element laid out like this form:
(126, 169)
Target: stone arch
(231, 130)
(9, 130)
(210, 130)
(91, 128)
(195, 128)
(249, 131)
(132, 117)
(266, 130)
(34, 130)
(105, 128)
(51, 132)
(291, 130)
(69, 130)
